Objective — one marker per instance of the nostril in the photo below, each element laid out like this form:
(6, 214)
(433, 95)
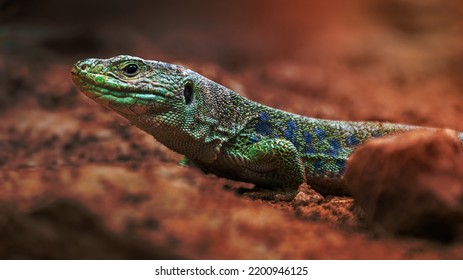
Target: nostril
(85, 64)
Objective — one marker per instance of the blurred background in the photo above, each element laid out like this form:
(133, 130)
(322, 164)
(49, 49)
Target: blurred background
(235, 34)
(319, 47)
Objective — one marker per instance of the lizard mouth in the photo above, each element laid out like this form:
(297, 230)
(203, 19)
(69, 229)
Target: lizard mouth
(97, 86)
(96, 91)
(125, 103)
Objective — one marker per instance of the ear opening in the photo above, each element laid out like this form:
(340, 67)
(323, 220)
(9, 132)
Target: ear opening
(188, 93)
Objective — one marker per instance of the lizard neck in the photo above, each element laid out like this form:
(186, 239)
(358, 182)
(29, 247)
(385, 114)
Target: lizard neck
(185, 143)
(198, 130)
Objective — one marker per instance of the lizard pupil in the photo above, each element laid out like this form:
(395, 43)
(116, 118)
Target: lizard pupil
(188, 93)
(131, 70)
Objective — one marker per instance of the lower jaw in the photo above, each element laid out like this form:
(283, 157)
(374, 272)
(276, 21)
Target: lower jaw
(94, 91)
(124, 105)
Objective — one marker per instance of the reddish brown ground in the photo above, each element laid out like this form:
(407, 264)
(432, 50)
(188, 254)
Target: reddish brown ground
(77, 181)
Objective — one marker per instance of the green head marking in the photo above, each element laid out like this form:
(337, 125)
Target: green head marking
(130, 85)
(177, 106)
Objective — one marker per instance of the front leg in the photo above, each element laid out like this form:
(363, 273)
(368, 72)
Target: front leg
(267, 163)
(273, 165)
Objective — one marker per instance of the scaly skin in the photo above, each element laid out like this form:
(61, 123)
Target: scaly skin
(222, 132)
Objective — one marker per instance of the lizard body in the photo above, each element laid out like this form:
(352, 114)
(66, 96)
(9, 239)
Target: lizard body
(222, 132)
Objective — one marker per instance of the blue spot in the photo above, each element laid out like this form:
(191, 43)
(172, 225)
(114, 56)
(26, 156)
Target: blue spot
(291, 125)
(290, 132)
(320, 133)
(334, 148)
(340, 164)
(318, 167)
(307, 137)
(309, 149)
(264, 129)
(263, 126)
(352, 140)
(264, 116)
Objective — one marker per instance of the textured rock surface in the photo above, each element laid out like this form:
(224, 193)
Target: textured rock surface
(411, 183)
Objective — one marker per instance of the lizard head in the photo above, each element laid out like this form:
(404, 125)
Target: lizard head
(132, 86)
(178, 106)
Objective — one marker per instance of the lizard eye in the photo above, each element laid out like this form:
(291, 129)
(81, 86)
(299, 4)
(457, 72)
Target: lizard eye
(131, 70)
(188, 93)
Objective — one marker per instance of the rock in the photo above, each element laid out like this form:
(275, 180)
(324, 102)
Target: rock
(411, 183)
(306, 196)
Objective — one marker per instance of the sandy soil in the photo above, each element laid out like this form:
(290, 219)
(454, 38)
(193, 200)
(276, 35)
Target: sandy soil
(78, 181)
